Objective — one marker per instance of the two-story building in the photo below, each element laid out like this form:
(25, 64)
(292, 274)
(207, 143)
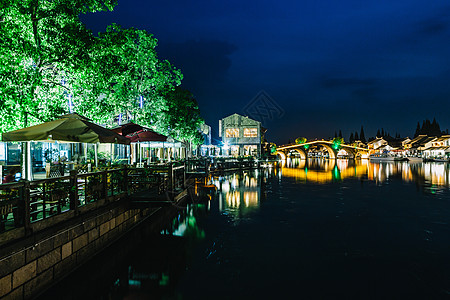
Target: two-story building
(387, 144)
(377, 144)
(438, 147)
(241, 135)
(417, 145)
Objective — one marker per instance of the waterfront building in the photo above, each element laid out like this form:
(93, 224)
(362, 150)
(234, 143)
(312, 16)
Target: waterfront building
(385, 144)
(241, 135)
(438, 147)
(388, 144)
(377, 144)
(207, 148)
(405, 141)
(417, 145)
(359, 143)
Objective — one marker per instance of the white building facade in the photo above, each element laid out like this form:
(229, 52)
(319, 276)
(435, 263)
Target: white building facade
(241, 136)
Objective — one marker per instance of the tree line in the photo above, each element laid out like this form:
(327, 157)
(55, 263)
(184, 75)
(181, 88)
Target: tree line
(429, 128)
(353, 136)
(53, 65)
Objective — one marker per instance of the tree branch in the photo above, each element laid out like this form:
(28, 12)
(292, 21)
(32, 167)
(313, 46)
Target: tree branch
(55, 83)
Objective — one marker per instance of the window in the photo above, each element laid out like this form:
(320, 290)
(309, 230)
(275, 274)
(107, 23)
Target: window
(250, 132)
(234, 150)
(250, 150)
(232, 132)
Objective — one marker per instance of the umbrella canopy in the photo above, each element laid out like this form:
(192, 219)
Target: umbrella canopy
(146, 136)
(126, 129)
(137, 133)
(68, 128)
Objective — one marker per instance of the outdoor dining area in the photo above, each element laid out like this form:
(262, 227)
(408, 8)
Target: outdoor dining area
(72, 142)
(69, 163)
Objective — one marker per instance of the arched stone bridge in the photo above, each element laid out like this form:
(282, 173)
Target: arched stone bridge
(329, 146)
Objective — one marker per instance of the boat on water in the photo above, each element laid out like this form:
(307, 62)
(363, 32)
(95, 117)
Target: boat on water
(436, 159)
(383, 157)
(414, 159)
(440, 160)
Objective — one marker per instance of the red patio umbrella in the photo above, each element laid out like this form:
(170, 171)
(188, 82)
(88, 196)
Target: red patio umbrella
(146, 135)
(137, 133)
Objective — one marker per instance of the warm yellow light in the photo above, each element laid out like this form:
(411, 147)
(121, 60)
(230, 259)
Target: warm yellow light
(232, 132)
(250, 132)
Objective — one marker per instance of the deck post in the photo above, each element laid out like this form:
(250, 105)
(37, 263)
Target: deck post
(184, 176)
(24, 205)
(74, 191)
(125, 179)
(171, 178)
(105, 184)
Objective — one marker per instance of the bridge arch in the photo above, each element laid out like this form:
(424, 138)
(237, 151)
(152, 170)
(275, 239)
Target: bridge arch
(282, 155)
(303, 153)
(332, 154)
(350, 151)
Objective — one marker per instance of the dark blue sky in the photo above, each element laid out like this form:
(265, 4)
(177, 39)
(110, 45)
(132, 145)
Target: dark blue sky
(322, 65)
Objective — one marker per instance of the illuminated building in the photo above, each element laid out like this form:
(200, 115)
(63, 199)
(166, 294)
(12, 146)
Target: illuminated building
(241, 135)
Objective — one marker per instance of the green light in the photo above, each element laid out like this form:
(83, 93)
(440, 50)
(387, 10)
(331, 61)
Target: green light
(336, 173)
(337, 143)
(164, 280)
(300, 140)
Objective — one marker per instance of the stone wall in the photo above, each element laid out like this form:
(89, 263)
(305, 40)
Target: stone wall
(35, 266)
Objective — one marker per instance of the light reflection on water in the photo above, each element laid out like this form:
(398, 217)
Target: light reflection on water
(323, 171)
(241, 190)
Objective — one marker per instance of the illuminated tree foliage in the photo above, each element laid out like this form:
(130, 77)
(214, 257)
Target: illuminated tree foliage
(181, 117)
(52, 65)
(300, 140)
(273, 148)
(43, 46)
(127, 78)
(337, 143)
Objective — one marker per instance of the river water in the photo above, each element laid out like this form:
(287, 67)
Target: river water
(310, 230)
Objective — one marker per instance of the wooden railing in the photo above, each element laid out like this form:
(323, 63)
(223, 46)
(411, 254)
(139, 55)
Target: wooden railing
(206, 165)
(26, 202)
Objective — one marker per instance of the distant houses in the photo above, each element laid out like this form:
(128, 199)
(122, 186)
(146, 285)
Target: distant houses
(421, 146)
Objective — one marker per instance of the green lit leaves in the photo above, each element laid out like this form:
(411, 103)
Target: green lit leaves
(273, 148)
(48, 57)
(300, 140)
(181, 118)
(44, 45)
(337, 143)
(127, 68)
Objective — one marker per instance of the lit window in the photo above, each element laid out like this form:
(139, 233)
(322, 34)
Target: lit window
(250, 150)
(250, 132)
(234, 150)
(232, 132)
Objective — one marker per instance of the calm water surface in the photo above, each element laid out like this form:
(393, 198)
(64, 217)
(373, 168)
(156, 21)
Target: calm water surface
(315, 230)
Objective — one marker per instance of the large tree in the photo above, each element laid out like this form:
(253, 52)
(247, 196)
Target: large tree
(43, 47)
(128, 79)
(181, 117)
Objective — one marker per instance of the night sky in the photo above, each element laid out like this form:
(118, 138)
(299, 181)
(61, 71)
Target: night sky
(304, 68)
